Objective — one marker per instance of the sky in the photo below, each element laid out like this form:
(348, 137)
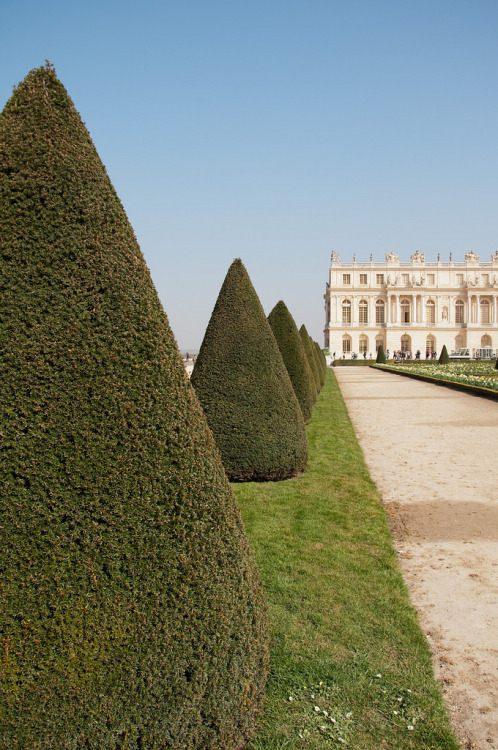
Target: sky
(277, 131)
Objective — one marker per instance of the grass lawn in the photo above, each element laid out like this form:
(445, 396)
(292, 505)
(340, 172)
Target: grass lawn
(350, 665)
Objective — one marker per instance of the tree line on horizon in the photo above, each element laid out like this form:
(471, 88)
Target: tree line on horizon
(133, 613)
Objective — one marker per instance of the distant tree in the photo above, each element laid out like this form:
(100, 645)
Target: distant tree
(292, 350)
(308, 348)
(245, 389)
(381, 357)
(444, 357)
(132, 614)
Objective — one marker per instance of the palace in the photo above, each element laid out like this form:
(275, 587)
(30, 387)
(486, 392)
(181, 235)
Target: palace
(411, 306)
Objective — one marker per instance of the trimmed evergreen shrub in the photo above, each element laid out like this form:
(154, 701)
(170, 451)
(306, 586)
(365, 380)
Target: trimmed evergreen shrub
(292, 350)
(381, 357)
(320, 362)
(132, 614)
(444, 357)
(496, 365)
(305, 338)
(245, 389)
(321, 356)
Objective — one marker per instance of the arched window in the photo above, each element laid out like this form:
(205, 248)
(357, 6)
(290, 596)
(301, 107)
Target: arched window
(486, 340)
(430, 344)
(379, 340)
(485, 316)
(430, 312)
(459, 313)
(346, 344)
(380, 312)
(346, 312)
(458, 342)
(406, 343)
(405, 311)
(363, 343)
(363, 312)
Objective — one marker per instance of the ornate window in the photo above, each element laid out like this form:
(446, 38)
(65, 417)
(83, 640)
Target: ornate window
(406, 343)
(485, 317)
(380, 278)
(346, 344)
(346, 312)
(430, 312)
(430, 344)
(363, 344)
(485, 340)
(405, 311)
(363, 279)
(363, 311)
(459, 312)
(346, 278)
(459, 342)
(380, 312)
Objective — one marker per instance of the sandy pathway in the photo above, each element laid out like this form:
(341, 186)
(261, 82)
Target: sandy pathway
(432, 452)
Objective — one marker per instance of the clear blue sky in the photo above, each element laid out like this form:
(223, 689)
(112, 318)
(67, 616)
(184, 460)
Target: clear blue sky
(277, 131)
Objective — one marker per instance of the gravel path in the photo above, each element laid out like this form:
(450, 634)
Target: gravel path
(432, 452)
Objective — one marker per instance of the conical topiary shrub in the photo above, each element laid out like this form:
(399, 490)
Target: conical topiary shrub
(496, 365)
(245, 390)
(321, 357)
(292, 350)
(132, 616)
(319, 363)
(305, 338)
(381, 357)
(444, 357)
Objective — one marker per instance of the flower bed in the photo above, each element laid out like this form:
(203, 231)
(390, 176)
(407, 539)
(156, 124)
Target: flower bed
(480, 374)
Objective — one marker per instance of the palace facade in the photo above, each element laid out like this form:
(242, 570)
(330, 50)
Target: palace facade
(411, 306)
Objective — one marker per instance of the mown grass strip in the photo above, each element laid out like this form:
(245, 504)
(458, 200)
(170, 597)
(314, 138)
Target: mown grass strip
(350, 666)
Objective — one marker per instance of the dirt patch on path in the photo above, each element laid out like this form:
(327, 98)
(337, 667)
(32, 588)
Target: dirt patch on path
(432, 452)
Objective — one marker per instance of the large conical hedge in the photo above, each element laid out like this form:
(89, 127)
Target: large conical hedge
(292, 350)
(321, 358)
(245, 389)
(132, 616)
(319, 364)
(305, 338)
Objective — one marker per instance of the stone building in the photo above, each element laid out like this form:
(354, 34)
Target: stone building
(411, 306)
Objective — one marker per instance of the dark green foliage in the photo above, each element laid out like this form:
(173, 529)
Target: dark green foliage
(381, 357)
(320, 361)
(245, 389)
(444, 357)
(321, 357)
(309, 349)
(295, 359)
(132, 615)
(496, 365)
